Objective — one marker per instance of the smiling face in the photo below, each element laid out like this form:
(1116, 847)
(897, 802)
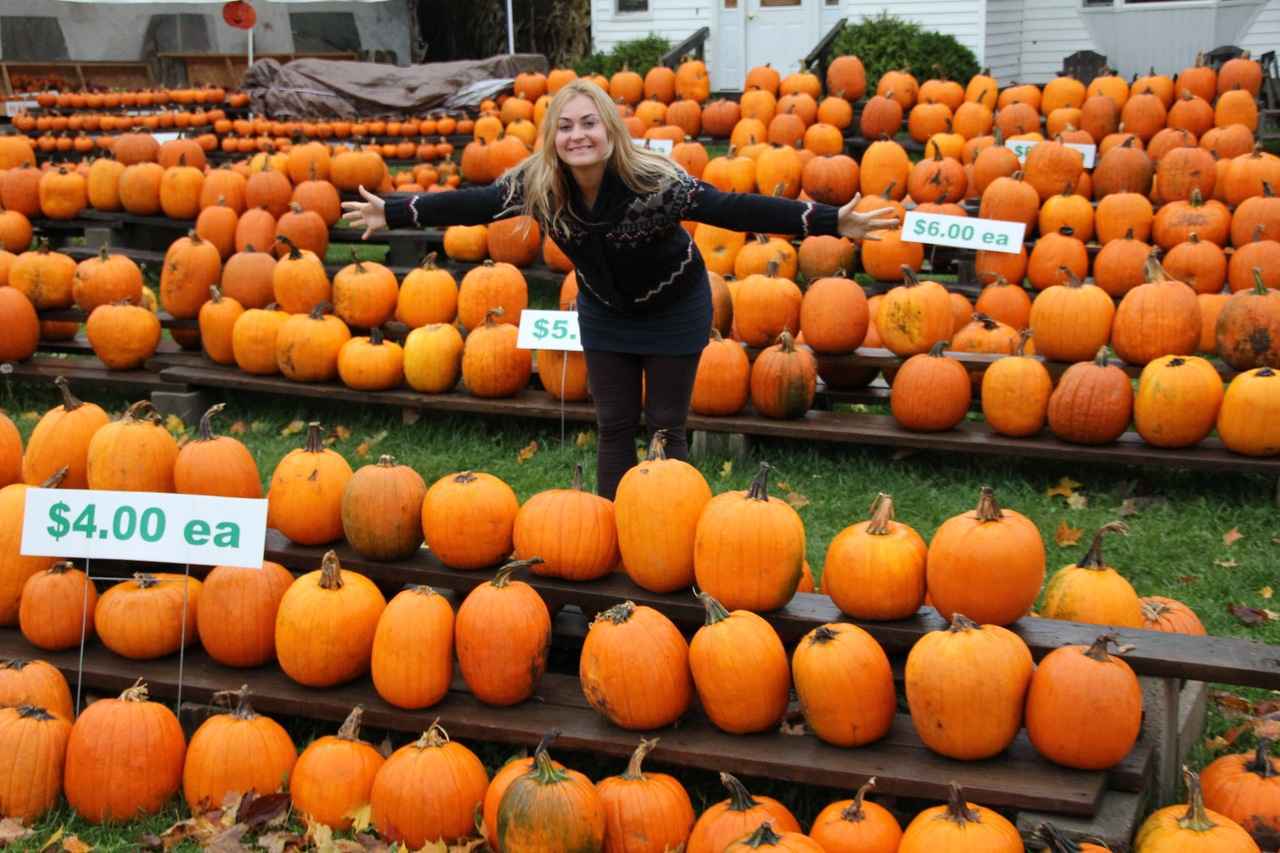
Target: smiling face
(581, 138)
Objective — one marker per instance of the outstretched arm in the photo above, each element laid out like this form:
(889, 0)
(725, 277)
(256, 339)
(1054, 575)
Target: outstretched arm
(473, 206)
(752, 212)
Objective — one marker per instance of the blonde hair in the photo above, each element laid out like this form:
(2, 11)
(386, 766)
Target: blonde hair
(545, 180)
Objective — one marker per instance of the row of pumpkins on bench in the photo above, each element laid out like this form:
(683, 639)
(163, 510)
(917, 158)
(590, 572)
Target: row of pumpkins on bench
(435, 790)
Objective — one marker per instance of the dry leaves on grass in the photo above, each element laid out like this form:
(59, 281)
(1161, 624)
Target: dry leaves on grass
(527, 452)
(238, 428)
(584, 440)
(1232, 536)
(726, 470)
(72, 844)
(1252, 616)
(174, 425)
(1133, 506)
(1266, 592)
(1225, 563)
(293, 428)
(1067, 535)
(1262, 718)
(53, 839)
(29, 416)
(462, 847)
(11, 831)
(1066, 487)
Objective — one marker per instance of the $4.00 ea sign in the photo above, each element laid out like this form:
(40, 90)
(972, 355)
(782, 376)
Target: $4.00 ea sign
(549, 330)
(993, 235)
(158, 528)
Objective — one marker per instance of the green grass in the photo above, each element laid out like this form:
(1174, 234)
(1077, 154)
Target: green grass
(1175, 547)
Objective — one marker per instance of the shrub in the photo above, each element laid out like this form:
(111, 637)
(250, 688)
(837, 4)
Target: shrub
(886, 43)
(638, 54)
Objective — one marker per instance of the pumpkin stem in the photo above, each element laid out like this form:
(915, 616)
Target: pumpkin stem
(1261, 762)
(1093, 558)
(1072, 279)
(350, 728)
(787, 342)
(988, 509)
(330, 571)
(618, 614)
(56, 479)
(822, 634)
(1196, 818)
(633, 772)
(881, 515)
(771, 270)
(764, 836)
(104, 253)
(715, 335)
(145, 580)
(759, 490)
(215, 295)
(386, 460)
(503, 577)
(136, 693)
(960, 622)
(957, 809)
(1024, 336)
(321, 308)
(69, 401)
(1267, 190)
(715, 610)
(375, 336)
(434, 736)
(577, 477)
(206, 421)
(294, 252)
(242, 709)
(657, 446)
(492, 313)
(939, 348)
(909, 276)
(1259, 286)
(740, 799)
(853, 812)
(142, 411)
(31, 712)
(429, 262)
(544, 771)
(61, 567)
(1052, 840)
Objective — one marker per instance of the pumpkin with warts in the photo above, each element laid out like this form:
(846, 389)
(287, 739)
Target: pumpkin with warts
(1248, 327)
(1084, 706)
(960, 825)
(1248, 418)
(33, 747)
(657, 508)
(645, 812)
(35, 682)
(304, 501)
(468, 518)
(550, 808)
(325, 625)
(741, 814)
(1192, 826)
(835, 661)
(237, 615)
(914, 316)
(61, 439)
(634, 668)
(749, 547)
(103, 790)
(930, 392)
(966, 686)
(502, 634)
(216, 465)
(56, 608)
(875, 569)
(133, 454)
(334, 776)
(412, 658)
(235, 753)
(428, 790)
(1246, 788)
(573, 531)
(989, 562)
(1016, 392)
(727, 645)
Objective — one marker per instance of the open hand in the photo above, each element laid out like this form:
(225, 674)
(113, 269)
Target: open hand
(855, 225)
(370, 214)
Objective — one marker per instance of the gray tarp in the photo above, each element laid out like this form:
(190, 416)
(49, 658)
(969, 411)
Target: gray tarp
(322, 88)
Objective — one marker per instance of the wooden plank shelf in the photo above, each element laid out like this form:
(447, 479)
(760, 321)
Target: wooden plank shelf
(1220, 659)
(77, 315)
(88, 374)
(849, 428)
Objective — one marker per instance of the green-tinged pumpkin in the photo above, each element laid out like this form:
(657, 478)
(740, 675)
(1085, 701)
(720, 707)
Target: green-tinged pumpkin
(550, 808)
(382, 510)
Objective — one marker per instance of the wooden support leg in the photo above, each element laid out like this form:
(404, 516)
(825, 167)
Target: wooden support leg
(188, 405)
(1160, 703)
(718, 444)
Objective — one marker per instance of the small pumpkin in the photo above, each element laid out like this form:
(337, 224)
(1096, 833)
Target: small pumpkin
(217, 320)
(123, 336)
(304, 501)
(468, 519)
(427, 295)
(833, 662)
(253, 340)
(1248, 327)
(56, 609)
(1093, 402)
(33, 748)
(61, 439)
(308, 345)
(857, 825)
(645, 812)
(1248, 419)
(1191, 826)
(433, 358)
(382, 510)
(914, 316)
(1246, 788)
(1016, 392)
(722, 384)
(727, 645)
(783, 380)
(960, 825)
(875, 569)
(1092, 591)
(235, 753)
(133, 454)
(37, 683)
(931, 392)
(333, 778)
(492, 364)
(191, 266)
(573, 531)
(1071, 321)
(502, 634)
(150, 616)
(216, 465)
(741, 814)
(299, 280)
(1170, 615)
(428, 791)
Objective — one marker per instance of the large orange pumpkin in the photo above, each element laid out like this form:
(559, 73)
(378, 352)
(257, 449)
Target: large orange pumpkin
(840, 660)
(235, 753)
(571, 530)
(875, 569)
(725, 647)
(333, 777)
(326, 623)
(634, 668)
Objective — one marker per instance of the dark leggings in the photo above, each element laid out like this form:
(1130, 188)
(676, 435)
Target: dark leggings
(615, 380)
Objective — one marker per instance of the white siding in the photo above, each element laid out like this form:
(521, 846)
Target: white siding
(1003, 51)
(959, 18)
(1051, 31)
(1263, 34)
(674, 20)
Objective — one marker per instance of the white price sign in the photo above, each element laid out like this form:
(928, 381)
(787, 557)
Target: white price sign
(150, 526)
(1022, 146)
(661, 146)
(165, 137)
(963, 232)
(12, 108)
(556, 330)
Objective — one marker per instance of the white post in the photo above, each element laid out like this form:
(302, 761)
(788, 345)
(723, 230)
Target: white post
(511, 30)
(251, 45)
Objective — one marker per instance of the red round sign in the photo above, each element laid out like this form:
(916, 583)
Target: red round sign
(239, 14)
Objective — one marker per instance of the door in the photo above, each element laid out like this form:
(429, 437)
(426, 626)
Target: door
(780, 33)
(729, 68)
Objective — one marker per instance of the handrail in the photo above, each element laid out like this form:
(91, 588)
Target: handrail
(695, 44)
(818, 56)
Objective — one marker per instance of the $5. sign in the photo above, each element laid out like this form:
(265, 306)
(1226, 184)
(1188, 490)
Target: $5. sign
(144, 526)
(556, 330)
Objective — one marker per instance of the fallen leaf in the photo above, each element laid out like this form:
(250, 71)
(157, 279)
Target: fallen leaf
(11, 831)
(320, 837)
(1066, 488)
(1275, 540)
(263, 811)
(1066, 534)
(726, 469)
(238, 428)
(1236, 705)
(1133, 506)
(1226, 564)
(362, 449)
(1187, 580)
(151, 841)
(228, 841)
(1216, 744)
(1267, 729)
(293, 427)
(1251, 616)
(797, 500)
(1232, 536)
(342, 433)
(1233, 734)
(361, 818)
(782, 486)
(527, 452)
(1078, 501)
(278, 842)
(585, 440)
(174, 425)
(259, 426)
(53, 839)
(791, 728)
(1266, 592)
(71, 844)
(328, 441)
(377, 438)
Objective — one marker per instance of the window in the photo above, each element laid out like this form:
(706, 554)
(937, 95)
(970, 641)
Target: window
(31, 39)
(324, 32)
(833, 2)
(731, 4)
(633, 5)
(178, 33)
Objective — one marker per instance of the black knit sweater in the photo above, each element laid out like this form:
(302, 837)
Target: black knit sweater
(629, 250)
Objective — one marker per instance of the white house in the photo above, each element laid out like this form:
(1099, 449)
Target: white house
(1021, 40)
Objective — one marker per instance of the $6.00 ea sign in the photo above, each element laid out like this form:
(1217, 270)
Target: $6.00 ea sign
(150, 526)
(993, 235)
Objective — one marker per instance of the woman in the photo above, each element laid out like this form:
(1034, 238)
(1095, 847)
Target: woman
(644, 302)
